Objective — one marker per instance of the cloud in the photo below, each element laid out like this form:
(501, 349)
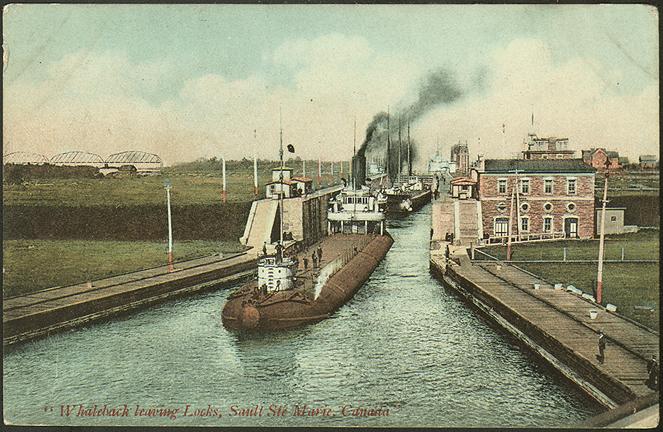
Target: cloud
(578, 98)
(105, 102)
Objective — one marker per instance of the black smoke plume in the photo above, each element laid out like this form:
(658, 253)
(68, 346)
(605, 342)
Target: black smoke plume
(438, 88)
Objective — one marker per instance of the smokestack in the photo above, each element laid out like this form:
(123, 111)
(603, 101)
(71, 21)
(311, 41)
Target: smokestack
(358, 171)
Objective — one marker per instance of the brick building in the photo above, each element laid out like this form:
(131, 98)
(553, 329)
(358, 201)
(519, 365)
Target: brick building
(598, 157)
(547, 148)
(555, 196)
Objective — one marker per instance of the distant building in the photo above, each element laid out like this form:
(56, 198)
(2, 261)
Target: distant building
(460, 155)
(601, 158)
(438, 165)
(555, 196)
(547, 148)
(304, 185)
(463, 188)
(614, 221)
(275, 187)
(648, 162)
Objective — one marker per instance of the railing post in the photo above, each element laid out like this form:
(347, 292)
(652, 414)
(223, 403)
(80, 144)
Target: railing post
(564, 253)
(622, 253)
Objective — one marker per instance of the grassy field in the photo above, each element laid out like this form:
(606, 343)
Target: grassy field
(189, 186)
(31, 265)
(626, 285)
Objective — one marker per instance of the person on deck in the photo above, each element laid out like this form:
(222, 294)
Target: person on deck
(279, 252)
(314, 257)
(305, 263)
(652, 372)
(319, 253)
(602, 343)
(264, 249)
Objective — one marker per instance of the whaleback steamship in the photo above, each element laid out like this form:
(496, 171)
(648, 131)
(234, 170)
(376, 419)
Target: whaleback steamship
(289, 292)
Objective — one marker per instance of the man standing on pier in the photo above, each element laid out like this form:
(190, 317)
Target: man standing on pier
(652, 371)
(264, 249)
(319, 254)
(601, 356)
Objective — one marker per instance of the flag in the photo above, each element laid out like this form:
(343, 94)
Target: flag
(291, 148)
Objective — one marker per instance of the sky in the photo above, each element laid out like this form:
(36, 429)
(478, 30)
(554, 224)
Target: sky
(191, 81)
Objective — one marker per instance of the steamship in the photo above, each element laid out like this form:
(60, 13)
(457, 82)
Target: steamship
(407, 194)
(290, 293)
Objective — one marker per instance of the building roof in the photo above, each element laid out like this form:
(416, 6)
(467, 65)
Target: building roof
(623, 160)
(612, 154)
(282, 169)
(302, 179)
(462, 181)
(285, 181)
(648, 158)
(537, 166)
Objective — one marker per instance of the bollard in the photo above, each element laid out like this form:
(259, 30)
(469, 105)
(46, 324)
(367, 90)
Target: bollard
(622, 253)
(564, 253)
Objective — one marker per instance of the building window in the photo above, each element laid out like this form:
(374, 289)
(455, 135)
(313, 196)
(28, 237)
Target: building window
(571, 207)
(524, 186)
(548, 186)
(571, 186)
(547, 224)
(501, 227)
(548, 207)
(524, 224)
(501, 186)
(501, 206)
(524, 207)
(560, 156)
(613, 218)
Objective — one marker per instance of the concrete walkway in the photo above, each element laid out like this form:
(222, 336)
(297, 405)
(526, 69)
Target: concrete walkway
(559, 321)
(645, 419)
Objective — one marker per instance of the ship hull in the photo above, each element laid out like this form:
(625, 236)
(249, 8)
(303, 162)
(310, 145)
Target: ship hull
(297, 307)
(416, 200)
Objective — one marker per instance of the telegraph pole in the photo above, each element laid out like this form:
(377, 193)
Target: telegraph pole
(255, 164)
(510, 230)
(224, 192)
(171, 267)
(599, 277)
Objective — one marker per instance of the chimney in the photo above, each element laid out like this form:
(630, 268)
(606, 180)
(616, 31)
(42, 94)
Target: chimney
(358, 171)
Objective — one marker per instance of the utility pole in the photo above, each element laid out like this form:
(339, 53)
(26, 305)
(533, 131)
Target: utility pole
(224, 191)
(400, 147)
(281, 179)
(599, 277)
(510, 230)
(171, 267)
(255, 164)
(388, 146)
(409, 161)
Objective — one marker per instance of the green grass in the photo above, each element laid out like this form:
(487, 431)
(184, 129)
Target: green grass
(31, 265)
(640, 245)
(188, 187)
(624, 285)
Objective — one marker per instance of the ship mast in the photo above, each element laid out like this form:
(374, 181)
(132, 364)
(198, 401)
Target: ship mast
(388, 146)
(409, 162)
(400, 147)
(354, 152)
(281, 177)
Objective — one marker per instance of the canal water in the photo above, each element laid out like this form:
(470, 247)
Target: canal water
(403, 345)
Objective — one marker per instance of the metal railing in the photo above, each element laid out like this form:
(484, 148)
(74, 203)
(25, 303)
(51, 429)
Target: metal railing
(526, 237)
